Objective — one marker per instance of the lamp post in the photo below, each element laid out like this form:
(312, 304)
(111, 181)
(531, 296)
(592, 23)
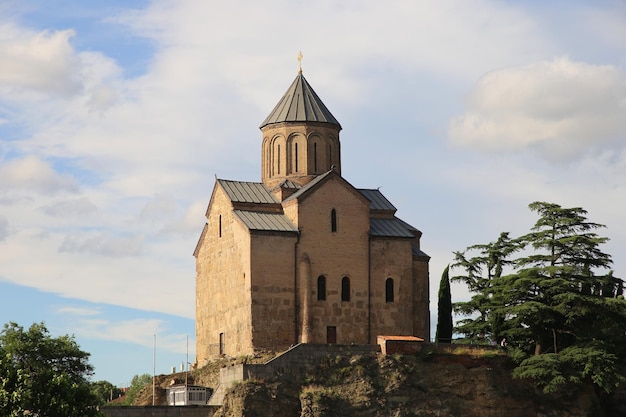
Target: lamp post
(154, 371)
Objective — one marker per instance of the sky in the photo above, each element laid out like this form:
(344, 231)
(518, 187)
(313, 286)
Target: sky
(117, 116)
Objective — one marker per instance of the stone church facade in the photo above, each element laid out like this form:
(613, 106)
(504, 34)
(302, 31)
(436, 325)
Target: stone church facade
(303, 256)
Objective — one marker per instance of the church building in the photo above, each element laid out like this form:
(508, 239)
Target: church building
(303, 256)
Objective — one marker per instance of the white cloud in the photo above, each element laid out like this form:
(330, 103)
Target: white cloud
(560, 109)
(149, 145)
(159, 208)
(4, 228)
(136, 331)
(42, 62)
(79, 207)
(99, 243)
(80, 311)
(33, 174)
(609, 25)
(190, 222)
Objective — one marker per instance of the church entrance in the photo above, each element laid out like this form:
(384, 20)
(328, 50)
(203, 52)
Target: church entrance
(331, 335)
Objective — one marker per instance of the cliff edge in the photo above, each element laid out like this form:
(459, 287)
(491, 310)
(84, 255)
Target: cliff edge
(427, 384)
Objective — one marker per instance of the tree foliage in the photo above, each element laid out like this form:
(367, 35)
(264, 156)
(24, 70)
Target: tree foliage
(43, 375)
(445, 324)
(482, 272)
(137, 383)
(557, 304)
(105, 391)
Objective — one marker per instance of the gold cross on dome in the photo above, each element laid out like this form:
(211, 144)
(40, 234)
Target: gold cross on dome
(300, 56)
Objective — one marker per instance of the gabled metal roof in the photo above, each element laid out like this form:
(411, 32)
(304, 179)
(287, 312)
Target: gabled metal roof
(308, 186)
(379, 201)
(390, 228)
(265, 221)
(247, 192)
(300, 104)
(289, 184)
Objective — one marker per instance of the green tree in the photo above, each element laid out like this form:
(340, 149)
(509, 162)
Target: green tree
(43, 375)
(482, 266)
(559, 306)
(105, 391)
(444, 310)
(137, 383)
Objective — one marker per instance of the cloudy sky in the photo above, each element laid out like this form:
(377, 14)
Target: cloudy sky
(115, 118)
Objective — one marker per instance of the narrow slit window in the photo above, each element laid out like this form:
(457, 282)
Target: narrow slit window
(321, 288)
(389, 290)
(315, 157)
(330, 156)
(345, 289)
(220, 226)
(296, 157)
(333, 220)
(278, 161)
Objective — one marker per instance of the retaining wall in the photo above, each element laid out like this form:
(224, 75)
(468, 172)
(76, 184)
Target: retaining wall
(159, 411)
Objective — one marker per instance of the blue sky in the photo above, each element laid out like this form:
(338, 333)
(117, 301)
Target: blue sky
(115, 118)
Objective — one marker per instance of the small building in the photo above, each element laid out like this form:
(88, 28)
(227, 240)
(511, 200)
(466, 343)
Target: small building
(404, 345)
(187, 395)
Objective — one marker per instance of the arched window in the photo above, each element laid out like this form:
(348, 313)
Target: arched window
(345, 289)
(333, 220)
(389, 290)
(321, 288)
(220, 225)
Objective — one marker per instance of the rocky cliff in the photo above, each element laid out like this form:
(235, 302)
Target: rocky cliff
(441, 385)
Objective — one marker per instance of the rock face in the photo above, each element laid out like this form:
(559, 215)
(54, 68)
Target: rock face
(399, 386)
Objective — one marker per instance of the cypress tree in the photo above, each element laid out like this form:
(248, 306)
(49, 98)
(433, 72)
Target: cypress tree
(444, 317)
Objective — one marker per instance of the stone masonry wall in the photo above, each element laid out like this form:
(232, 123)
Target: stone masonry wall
(159, 411)
(276, 165)
(293, 364)
(343, 253)
(223, 304)
(391, 258)
(421, 297)
(260, 290)
(273, 290)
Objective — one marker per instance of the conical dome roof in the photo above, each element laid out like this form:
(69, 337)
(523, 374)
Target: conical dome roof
(300, 104)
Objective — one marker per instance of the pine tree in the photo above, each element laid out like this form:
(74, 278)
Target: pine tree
(560, 308)
(481, 271)
(562, 303)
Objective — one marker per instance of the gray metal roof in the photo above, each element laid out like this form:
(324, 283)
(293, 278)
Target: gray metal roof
(247, 192)
(379, 201)
(390, 228)
(300, 104)
(265, 221)
(308, 186)
(419, 253)
(408, 226)
(289, 184)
